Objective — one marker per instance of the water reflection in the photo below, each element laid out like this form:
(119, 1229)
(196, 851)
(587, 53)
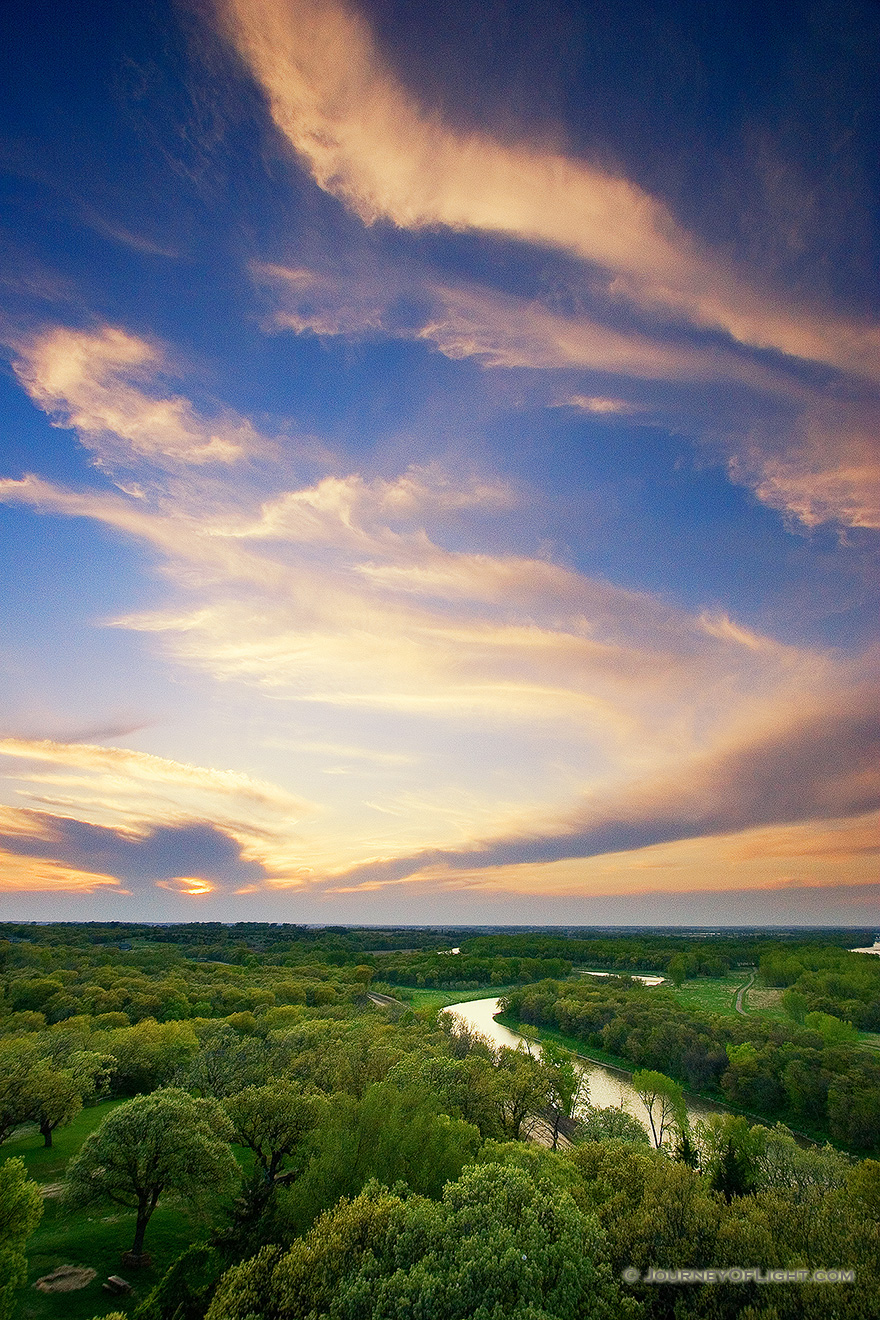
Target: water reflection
(608, 1086)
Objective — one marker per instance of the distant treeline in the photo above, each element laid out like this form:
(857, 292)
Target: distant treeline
(776, 1069)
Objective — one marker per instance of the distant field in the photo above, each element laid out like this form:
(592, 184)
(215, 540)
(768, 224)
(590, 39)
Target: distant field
(712, 996)
(422, 998)
(94, 1238)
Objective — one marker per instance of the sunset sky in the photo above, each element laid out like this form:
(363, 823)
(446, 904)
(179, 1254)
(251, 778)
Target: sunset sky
(440, 475)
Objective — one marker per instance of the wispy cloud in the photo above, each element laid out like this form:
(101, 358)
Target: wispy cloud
(823, 765)
(365, 139)
(801, 447)
(108, 385)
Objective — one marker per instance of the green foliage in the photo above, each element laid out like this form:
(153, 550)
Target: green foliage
(185, 1290)
(162, 1143)
(524, 1089)
(567, 1084)
(499, 1244)
(53, 1097)
(149, 1054)
(663, 1099)
(391, 1135)
(611, 1124)
(272, 1121)
(795, 1005)
(732, 1153)
(831, 1028)
(21, 1207)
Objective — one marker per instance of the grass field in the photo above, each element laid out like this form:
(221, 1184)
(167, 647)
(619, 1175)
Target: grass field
(94, 1238)
(712, 995)
(430, 998)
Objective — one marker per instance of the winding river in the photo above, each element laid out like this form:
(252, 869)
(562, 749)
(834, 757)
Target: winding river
(608, 1086)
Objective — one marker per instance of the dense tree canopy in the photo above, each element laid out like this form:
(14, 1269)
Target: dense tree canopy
(499, 1244)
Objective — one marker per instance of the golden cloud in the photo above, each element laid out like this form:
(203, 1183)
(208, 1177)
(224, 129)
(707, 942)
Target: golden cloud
(366, 140)
(104, 384)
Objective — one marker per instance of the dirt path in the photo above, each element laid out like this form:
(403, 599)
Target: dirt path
(384, 1001)
(742, 990)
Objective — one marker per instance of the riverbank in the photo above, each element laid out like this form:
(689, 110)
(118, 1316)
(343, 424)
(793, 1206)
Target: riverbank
(698, 1104)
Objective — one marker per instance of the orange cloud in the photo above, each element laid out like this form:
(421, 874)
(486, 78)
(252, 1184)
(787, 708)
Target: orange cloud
(811, 855)
(193, 886)
(20, 874)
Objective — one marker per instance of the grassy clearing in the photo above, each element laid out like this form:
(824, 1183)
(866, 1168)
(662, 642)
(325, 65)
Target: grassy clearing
(716, 995)
(47, 1166)
(94, 1238)
(419, 997)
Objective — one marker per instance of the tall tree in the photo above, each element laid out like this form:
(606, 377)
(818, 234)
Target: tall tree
(166, 1142)
(53, 1097)
(567, 1084)
(662, 1097)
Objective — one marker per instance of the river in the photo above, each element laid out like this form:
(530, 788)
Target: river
(608, 1086)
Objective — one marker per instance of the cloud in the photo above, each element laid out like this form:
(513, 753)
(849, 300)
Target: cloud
(805, 450)
(601, 404)
(823, 765)
(107, 384)
(56, 852)
(138, 796)
(29, 874)
(367, 141)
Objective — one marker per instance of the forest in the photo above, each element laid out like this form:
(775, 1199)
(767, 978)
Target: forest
(210, 1122)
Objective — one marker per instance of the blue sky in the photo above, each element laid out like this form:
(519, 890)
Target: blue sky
(439, 473)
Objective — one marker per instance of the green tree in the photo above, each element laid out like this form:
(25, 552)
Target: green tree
(831, 1028)
(677, 969)
(21, 1208)
(166, 1142)
(391, 1135)
(17, 1058)
(272, 1121)
(53, 1097)
(500, 1244)
(732, 1153)
(662, 1097)
(523, 1090)
(185, 1290)
(612, 1124)
(795, 1005)
(567, 1085)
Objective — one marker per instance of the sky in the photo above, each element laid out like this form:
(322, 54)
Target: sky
(439, 471)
